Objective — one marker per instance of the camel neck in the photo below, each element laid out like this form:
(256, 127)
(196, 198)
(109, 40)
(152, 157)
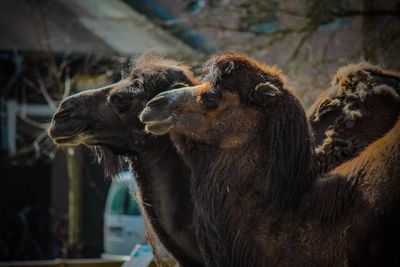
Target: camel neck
(163, 180)
(278, 160)
(271, 174)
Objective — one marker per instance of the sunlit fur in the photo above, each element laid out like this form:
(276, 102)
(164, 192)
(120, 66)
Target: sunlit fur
(260, 202)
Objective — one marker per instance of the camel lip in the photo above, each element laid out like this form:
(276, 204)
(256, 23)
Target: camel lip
(168, 121)
(160, 127)
(66, 141)
(152, 115)
(146, 115)
(66, 134)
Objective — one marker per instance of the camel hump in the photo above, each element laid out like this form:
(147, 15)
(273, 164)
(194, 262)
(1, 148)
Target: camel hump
(377, 171)
(361, 105)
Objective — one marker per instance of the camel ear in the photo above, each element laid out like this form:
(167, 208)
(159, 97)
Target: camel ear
(268, 89)
(263, 93)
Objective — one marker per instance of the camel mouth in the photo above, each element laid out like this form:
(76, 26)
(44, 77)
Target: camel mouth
(159, 127)
(67, 141)
(67, 134)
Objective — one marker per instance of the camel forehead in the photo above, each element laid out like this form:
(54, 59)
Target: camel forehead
(121, 86)
(232, 66)
(230, 106)
(149, 67)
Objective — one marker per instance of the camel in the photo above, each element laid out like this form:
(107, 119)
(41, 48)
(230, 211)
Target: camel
(88, 118)
(258, 197)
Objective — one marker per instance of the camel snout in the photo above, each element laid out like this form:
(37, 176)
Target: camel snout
(158, 101)
(157, 109)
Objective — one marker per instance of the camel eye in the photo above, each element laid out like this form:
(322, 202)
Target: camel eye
(210, 99)
(137, 84)
(177, 85)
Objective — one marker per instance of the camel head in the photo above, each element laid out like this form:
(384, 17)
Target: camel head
(237, 96)
(87, 118)
(106, 119)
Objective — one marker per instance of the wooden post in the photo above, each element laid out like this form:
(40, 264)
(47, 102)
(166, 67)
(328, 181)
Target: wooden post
(73, 204)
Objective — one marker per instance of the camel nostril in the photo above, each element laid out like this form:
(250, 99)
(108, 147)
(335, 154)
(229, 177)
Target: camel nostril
(63, 111)
(61, 114)
(157, 102)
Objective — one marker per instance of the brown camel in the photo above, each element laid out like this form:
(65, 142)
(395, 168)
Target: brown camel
(94, 123)
(258, 198)
(115, 131)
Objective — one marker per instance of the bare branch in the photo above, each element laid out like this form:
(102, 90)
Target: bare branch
(67, 84)
(36, 143)
(299, 46)
(46, 95)
(34, 123)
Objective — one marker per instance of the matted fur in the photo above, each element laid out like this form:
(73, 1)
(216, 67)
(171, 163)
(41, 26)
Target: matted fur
(361, 105)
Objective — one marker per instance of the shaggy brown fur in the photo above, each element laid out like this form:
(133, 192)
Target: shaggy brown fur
(259, 201)
(108, 135)
(115, 132)
(361, 105)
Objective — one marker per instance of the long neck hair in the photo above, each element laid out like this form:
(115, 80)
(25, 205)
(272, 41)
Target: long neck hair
(272, 172)
(112, 162)
(281, 153)
(287, 155)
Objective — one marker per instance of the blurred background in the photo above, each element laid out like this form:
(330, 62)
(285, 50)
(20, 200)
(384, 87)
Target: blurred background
(57, 203)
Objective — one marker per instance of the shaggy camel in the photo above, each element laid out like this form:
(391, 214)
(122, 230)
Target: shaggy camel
(258, 198)
(88, 118)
